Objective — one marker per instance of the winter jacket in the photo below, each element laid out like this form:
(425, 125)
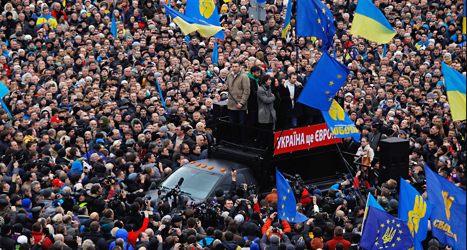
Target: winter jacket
(97, 239)
(239, 89)
(332, 243)
(265, 99)
(121, 233)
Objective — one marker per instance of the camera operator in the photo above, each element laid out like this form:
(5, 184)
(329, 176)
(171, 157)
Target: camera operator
(94, 197)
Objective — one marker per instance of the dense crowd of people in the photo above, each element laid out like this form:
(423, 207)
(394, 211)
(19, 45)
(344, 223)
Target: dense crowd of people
(92, 121)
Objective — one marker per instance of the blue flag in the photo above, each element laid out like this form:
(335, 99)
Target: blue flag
(415, 210)
(327, 78)
(288, 15)
(383, 231)
(315, 19)
(286, 204)
(113, 26)
(3, 92)
(339, 122)
(205, 10)
(215, 54)
(448, 217)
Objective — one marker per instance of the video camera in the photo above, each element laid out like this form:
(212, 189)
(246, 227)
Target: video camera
(174, 192)
(295, 182)
(382, 128)
(211, 210)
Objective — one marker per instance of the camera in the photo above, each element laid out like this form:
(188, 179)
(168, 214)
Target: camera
(295, 183)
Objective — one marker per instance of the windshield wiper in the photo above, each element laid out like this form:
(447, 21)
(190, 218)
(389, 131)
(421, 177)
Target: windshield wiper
(187, 194)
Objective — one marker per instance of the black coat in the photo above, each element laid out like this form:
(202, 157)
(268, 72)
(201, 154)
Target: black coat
(286, 110)
(97, 239)
(6, 242)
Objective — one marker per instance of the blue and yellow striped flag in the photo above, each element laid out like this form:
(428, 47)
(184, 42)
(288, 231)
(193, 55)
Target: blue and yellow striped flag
(455, 87)
(287, 19)
(370, 23)
(464, 22)
(190, 24)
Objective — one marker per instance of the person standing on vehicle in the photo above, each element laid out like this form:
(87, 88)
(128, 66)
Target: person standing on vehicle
(238, 85)
(266, 111)
(290, 109)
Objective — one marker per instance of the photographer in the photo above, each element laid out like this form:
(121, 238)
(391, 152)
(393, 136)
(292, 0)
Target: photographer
(94, 197)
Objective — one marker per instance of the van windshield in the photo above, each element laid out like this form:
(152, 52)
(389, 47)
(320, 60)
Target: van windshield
(196, 182)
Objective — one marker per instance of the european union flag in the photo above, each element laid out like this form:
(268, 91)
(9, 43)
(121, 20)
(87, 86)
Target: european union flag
(448, 217)
(286, 204)
(383, 231)
(315, 19)
(456, 90)
(204, 10)
(327, 78)
(215, 54)
(415, 210)
(339, 122)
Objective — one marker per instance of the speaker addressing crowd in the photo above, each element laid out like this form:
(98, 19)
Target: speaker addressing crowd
(93, 120)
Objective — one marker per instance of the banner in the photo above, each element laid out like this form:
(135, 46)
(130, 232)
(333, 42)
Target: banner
(303, 138)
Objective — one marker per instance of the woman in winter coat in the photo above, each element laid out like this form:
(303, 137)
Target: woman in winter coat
(266, 111)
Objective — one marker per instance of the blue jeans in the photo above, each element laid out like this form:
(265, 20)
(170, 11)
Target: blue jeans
(291, 123)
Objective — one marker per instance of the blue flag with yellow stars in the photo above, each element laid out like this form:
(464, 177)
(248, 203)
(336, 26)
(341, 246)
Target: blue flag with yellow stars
(315, 19)
(204, 10)
(327, 78)
(383, 231)
(448, 217)
(415, 210)
(286, 204)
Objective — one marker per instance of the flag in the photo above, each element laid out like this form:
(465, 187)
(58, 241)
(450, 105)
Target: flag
(113, 26)
(315, 19)
(339, 122)
(215, 54)
(370, 23)
(327, 78)
(448, 217)
(414, 210)
(371, 202)
(205, 10)
(3, 92)
(455, 87)
(384, 51)
(286, 204)
(191, 24)
(288, 15)
(464, 22)
(383, 231)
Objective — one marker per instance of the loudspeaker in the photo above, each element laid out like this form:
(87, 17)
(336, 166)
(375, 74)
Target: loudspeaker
(219, 109)
(394, 158)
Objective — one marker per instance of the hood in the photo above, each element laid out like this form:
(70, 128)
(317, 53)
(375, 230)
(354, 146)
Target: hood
(136, 120)
(122, 233)
(230, 245)
(77, 166)
(104, 122)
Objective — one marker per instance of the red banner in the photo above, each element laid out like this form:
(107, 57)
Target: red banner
(303, 138)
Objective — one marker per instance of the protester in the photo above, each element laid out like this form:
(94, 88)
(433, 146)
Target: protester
(93, 120)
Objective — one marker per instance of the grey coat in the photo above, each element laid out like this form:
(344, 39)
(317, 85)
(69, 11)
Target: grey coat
(266, 112)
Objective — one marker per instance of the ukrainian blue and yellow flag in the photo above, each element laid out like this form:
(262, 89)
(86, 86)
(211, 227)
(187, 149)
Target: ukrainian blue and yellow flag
(314, 19)
(286, 203)
(383, 231)
(327, 78)
(448, 217)
(455, 87)
(370, 23)
(190, 24)
(414, 210)
(288, 15)
(205, 10)
(464, 21)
